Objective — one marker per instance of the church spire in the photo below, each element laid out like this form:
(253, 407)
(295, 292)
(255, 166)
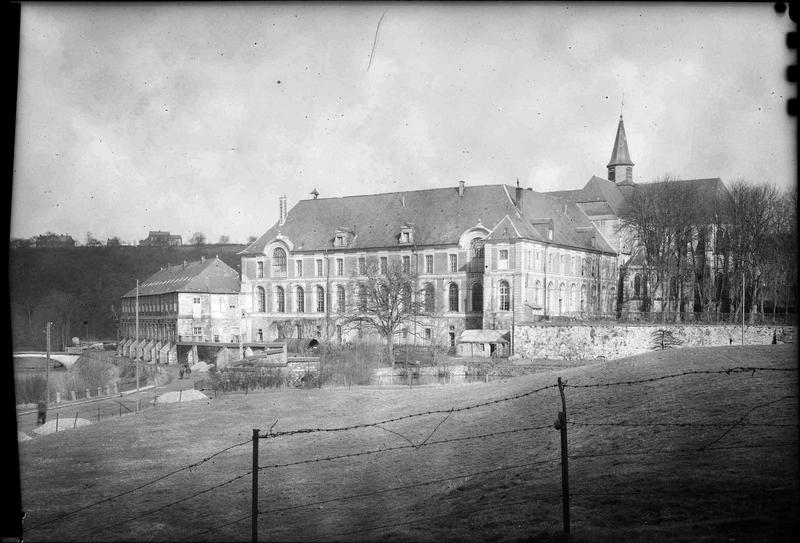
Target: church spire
(620, 167)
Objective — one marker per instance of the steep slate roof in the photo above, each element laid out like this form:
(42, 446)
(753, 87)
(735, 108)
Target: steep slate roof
(619, 154)
(596, 189)
(439, 217)
(210, 276)
(705, 193)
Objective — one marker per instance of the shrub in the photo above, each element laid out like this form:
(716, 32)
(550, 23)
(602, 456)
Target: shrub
(350, 365)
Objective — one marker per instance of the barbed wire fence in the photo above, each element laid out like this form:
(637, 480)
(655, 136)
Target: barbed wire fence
(430, 440)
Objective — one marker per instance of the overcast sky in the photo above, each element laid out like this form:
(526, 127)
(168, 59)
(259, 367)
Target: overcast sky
(197, 117)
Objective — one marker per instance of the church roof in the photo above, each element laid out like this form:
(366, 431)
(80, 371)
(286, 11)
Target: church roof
(211, 275)
(593, 193)
(619, 154)
(438, 216)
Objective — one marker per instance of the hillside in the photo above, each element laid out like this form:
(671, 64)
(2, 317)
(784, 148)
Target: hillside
(70, 286)
(678, 445)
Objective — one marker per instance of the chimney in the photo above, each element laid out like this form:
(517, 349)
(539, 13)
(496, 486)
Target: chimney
(461, 188)
(519, 196)
(202, 258)
(282, 201)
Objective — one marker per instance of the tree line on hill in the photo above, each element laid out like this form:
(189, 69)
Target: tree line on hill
(78, 289)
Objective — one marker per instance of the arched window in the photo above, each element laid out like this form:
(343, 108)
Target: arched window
(320, 300)
(477, 297)
(340, 298)
(430, 298)
(673, 287)
(279, 261)
(261, 300)
(637, 286)
(562, 298)
(573, 295)
(280, 298)
(505, 303)
(452, 297)
(583, 297)
(301, 300)
(537, 293)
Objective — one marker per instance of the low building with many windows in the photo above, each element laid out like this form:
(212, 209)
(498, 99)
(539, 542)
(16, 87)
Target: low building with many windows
(184, 305)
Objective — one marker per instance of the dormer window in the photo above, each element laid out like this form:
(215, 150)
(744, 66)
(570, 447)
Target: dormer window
(406, 235)
(342, 237)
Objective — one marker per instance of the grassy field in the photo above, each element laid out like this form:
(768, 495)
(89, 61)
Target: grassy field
(693, 457)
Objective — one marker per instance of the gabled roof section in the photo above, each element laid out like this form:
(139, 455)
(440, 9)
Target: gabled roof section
(619, 154)
(595, 190)
(211, 275)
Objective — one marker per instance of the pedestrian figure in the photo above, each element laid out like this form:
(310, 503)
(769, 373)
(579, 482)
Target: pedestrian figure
(187, 370)
(42, 406)
(180, 372)
(774, 337)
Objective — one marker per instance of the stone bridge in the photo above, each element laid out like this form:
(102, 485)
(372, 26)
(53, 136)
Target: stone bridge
(65, 359)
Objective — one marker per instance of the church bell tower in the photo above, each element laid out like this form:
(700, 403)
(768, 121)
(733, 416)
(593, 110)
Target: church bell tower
(620, 167)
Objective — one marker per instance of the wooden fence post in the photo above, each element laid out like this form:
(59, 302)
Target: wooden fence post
(561, 424)
(254, 498)
(56, 422)
(75, 422)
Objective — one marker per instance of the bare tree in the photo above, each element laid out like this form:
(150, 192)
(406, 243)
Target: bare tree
(753, 219)
(649, 218)
(224, 239)
(383, 302)
(251, 239)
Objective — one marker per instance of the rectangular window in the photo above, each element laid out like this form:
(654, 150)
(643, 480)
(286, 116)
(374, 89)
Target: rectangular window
(384, 264)
(260, 270)
(502, 263)
(453, 263)
(197, 330)
(428, 263)
(319, 267)
(427, 333)
(216, 338)
(299, 268)
(406, 264)
(260, 334)
(362, 265)
(340, 266)
(195, 300)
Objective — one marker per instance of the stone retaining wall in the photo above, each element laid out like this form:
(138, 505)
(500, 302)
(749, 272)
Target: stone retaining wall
(588, 342)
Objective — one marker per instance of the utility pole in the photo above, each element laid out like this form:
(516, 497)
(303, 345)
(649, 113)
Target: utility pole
(137, 335)
(241, 335)
(47, 370)
(742, 305)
